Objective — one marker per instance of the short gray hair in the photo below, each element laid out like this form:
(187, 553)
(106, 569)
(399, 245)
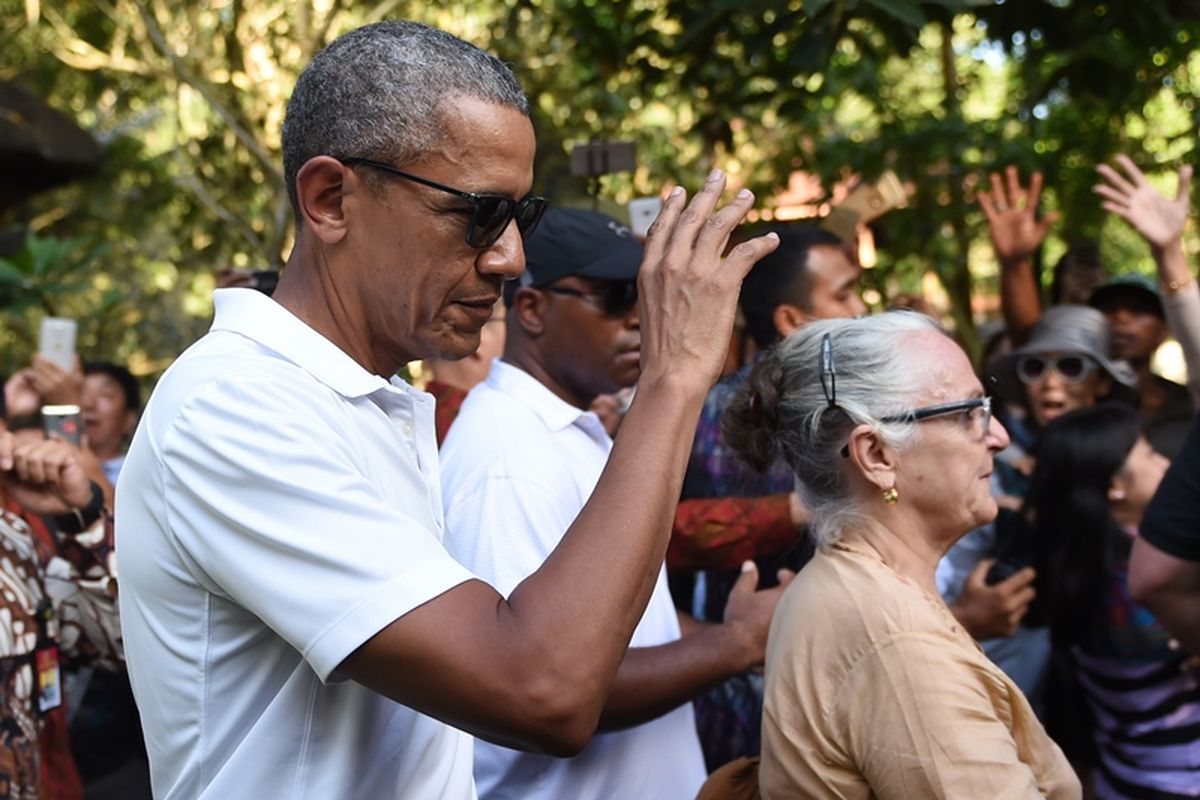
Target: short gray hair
(379, 91)
(782, 411)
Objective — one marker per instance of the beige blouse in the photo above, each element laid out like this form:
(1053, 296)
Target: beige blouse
(875, 691)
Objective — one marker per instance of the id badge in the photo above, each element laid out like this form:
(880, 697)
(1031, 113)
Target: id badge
(49, 678)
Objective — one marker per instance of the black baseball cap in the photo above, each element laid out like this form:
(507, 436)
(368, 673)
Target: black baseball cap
(572, 241)
(1133, 289)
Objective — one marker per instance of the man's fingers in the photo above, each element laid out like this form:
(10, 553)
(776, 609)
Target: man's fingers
(746, 254)
(717, 228)
(1021, 600)
(997, 188)
(979, 574)
(1110, 194)
(748, 580)
(659, 233)
(1185, 184)
(1047, 223)
(1013, 180)
(1115, 179)
(1135, 175)
(697, 213)
(1035, 189)
(1023, 577)
(785, 576)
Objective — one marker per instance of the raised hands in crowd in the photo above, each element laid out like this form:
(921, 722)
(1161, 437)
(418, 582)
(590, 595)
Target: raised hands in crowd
(1157, 219)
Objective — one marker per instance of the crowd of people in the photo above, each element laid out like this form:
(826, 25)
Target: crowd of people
(673, 518)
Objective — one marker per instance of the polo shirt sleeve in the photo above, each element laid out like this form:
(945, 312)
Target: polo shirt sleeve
(1172, 520)
(269, 501)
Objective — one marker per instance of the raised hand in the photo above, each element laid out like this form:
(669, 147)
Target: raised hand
(1011, 212)
(687, 290)
(1130, 196)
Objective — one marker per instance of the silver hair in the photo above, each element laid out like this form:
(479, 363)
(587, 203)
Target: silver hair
(379, 92)
(784, 405)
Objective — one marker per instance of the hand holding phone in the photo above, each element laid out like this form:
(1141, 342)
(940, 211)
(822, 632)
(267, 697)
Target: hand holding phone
(63, 422)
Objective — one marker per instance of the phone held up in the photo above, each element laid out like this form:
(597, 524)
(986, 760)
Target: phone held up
(63, 422)
(57, 341)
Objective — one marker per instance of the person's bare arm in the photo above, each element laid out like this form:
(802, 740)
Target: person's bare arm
(1160, 222)
(1170, 587)
(533, 671)
(1016, 233)
(654, 680)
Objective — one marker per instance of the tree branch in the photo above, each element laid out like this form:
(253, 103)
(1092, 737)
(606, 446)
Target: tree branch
(183, 74)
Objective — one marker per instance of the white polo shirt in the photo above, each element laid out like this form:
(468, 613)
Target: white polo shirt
(279, 506)
(518, 466)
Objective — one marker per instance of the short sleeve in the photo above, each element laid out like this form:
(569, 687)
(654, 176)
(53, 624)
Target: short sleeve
(275, 508)
(1172, 520)
(920, 719)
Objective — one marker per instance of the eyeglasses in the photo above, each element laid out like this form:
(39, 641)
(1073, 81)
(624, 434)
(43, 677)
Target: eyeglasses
(981, 404)
(1072, 368)
(617, 298)
(490, 213)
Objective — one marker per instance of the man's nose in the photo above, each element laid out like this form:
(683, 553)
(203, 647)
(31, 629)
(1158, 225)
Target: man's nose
(506, 257)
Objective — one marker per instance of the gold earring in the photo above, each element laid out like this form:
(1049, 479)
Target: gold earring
(891, 496)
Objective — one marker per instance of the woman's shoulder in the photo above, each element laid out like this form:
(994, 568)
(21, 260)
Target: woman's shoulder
(846, 603)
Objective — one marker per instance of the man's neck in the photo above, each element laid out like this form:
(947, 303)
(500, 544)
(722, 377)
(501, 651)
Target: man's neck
(530, 363)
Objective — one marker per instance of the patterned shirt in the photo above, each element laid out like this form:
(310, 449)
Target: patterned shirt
(74, 579)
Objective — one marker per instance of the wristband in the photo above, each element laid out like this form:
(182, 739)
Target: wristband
(79, 520)
(1175, 287)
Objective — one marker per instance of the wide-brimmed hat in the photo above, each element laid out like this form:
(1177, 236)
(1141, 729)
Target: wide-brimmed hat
(1065, 329)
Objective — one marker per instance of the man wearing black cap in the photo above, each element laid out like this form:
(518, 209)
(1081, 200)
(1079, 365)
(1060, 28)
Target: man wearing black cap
(517, 467)
(1134, 308)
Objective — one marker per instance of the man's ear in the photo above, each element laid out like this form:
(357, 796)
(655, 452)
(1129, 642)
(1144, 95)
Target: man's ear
(872, 458)
(788, 318)
(529, 310)
(321, 188)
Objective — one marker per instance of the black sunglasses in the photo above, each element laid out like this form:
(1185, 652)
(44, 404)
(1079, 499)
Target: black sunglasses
(490, 213)
(1072, 368)
(617, 298)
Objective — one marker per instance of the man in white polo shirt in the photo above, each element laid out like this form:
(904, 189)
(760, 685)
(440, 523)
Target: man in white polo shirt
(518, 465)
(293, 624)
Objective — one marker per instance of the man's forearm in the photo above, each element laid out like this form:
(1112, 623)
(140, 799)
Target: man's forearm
(1169, 587)
(652, 681)
(1020, 300)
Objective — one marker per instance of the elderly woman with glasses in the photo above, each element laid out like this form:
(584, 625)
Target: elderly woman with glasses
(874, 690)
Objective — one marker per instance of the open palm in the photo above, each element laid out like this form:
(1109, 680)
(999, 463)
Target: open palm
(1130, 196)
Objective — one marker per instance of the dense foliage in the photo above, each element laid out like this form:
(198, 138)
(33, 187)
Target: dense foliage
(188, 100)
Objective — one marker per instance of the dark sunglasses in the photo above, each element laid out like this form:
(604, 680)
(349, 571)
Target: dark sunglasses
(617, 298)
(490, 213)
(1072, 368)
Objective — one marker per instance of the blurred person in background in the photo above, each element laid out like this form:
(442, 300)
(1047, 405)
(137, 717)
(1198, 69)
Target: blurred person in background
(1096, 472)
(110, 402)
(58, 608)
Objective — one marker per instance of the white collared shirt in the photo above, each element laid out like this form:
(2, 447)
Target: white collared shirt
(279, 506)
(518, 465)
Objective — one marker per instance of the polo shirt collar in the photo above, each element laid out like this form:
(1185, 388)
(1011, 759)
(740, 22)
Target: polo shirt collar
(554, 412)
(250, 313)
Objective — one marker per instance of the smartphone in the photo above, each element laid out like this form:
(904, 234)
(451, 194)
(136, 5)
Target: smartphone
(57, 341)
(63, 422)
(642, 213)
